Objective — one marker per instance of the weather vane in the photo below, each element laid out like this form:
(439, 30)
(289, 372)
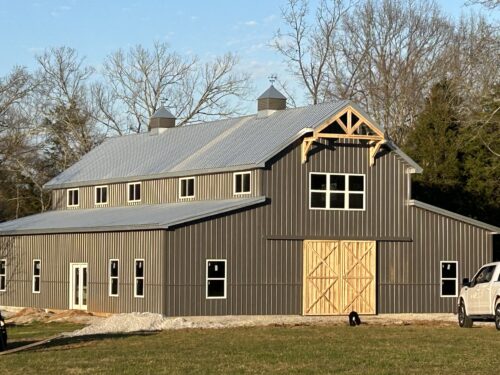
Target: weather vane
(272, 78)
(163, 100)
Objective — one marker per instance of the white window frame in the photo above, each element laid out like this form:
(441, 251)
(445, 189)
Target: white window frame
(180, 187)
(441, 278)
(111, 278)
(36, 276)
(107, 195)
(128, 192)
(345, 192)
(4, 275)
(67, 197)
(143, 277)
(216, 278)
(234, 183)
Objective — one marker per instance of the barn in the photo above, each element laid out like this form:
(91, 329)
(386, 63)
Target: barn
(287, 211)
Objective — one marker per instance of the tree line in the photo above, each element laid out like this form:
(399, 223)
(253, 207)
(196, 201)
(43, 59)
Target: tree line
(431, 81)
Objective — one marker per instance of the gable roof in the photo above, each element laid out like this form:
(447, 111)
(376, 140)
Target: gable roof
(226, 145)
(161, 216)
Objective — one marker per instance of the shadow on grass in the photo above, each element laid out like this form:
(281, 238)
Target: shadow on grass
(68, 343)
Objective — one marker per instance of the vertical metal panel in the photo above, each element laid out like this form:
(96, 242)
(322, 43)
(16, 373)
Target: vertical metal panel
(416, 288)
(57, 251)
(166, 190)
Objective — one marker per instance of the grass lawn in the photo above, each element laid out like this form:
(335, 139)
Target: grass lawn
(299, 349)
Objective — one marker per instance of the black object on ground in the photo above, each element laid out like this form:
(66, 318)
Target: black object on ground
(354, 319)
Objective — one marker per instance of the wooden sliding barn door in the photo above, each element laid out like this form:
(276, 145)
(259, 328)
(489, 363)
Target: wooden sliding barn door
(339, 277)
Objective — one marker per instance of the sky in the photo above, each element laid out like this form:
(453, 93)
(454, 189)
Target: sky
(95, 28)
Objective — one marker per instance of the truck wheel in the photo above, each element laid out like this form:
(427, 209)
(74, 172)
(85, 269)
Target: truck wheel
(497, 316)
(463, 320)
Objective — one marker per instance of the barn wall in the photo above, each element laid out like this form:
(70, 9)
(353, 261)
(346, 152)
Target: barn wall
(166, 190)
(57, 251)
(261, 247)
(409, 272)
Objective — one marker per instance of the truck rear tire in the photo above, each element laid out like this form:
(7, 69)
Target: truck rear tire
(463, 320)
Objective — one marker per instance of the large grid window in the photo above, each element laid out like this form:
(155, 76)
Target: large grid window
(3, 275)
(449, 279)
(37, 273)
(241, 183)
(73, 197)
(335, 191)
(186, 187)
(101, 195)
(216, 278)
(139, 278)
(134, 192)
(113, 277)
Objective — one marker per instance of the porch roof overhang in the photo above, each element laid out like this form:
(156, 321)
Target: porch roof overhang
(112, 219)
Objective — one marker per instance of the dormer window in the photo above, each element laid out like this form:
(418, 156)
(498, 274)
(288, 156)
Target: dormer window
(186, 187)
(73, 198)
(101, 195)
(134, 192)
(241, 183)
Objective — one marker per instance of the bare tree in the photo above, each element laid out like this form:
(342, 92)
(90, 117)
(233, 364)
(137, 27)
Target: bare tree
(138, 80)
(490, 4)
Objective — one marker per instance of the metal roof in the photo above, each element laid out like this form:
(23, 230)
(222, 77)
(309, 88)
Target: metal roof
(162, 112)
(272, 93)
(226, 145)
(162, 216)
(454, 215)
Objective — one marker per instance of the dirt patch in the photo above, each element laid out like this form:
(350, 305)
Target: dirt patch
(30, 315)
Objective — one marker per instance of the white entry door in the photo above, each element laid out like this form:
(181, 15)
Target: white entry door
(78, 286)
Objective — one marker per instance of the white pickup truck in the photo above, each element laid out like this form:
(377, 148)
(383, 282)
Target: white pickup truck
(479, 298)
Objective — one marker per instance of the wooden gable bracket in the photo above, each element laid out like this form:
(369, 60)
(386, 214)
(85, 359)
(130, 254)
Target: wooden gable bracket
(349, 130)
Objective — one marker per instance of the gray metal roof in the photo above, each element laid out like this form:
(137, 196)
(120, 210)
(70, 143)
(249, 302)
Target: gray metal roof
(162, 216)
(232, 144)
(162, 112)
(272, 93)
(454, 215)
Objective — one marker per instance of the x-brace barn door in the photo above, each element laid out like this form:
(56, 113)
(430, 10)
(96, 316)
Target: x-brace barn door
(339, 277)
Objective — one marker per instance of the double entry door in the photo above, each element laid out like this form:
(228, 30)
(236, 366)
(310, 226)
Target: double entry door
(339, 277)
(78, 286)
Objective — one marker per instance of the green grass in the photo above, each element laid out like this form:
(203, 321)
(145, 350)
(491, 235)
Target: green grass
(299, 349)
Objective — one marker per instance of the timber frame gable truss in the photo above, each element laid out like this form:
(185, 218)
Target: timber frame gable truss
(346, 124)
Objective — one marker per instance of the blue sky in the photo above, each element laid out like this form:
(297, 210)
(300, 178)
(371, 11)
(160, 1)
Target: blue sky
(96, 28)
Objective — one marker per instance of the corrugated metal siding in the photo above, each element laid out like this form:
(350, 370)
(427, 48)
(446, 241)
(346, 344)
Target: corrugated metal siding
(265, 277)
(409, 273)
(215, 186)
(57, 252)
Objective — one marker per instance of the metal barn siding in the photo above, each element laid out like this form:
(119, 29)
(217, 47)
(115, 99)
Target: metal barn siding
(264, 245)
(410, 272)
(216, 186)
(57, 251)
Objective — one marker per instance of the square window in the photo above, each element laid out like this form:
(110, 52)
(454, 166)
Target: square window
(337, 191)
(242, 183)
(448, 288)
(448, 270)
(356, 183)
(356, 201)
(318, 200)
(337, 200)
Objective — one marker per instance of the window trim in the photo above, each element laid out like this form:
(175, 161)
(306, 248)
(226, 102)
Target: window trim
(234, 183)
(136, 277)
(110, 279)
(67, 197)
(441, 278)
(345, 192)
(4, 275)
(128, 192)
(33, 277)
(194, 187)
(107, 195)
(216, 278)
